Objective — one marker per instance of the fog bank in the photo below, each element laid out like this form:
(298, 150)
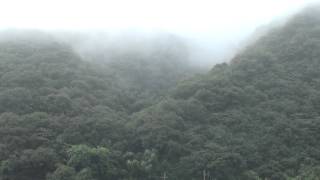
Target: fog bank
(213, 30)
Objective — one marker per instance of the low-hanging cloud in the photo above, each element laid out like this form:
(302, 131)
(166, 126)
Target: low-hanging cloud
(215, 29)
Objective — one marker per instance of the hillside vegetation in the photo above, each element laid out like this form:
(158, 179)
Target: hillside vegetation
(137, 117)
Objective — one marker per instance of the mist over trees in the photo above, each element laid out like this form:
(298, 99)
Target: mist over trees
(75, 108)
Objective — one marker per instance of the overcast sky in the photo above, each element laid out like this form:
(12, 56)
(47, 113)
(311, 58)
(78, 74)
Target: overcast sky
(213, 21)
(172, 15)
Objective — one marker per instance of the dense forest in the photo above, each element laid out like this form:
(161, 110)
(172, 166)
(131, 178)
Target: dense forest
(132, 115)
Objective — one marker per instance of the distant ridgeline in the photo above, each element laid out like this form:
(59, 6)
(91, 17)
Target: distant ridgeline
(137, 117)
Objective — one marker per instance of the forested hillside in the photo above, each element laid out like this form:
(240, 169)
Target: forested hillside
(52, 100)
(137, 117)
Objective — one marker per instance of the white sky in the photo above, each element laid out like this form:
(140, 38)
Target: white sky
(171, 15)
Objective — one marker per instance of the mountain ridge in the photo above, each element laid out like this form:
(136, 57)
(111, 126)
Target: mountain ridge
(256, 117)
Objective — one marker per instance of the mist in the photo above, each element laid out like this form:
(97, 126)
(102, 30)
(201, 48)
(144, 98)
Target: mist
(210, 31)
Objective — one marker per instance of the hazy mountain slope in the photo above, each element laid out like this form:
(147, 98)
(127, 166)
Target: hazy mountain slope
(148, 67)
(255, 117)
(45, 73)
(52, 99)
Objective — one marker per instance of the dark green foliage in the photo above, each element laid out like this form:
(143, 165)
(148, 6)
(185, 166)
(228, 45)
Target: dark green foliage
(255, 117)
(64, 118)
(258, 117)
